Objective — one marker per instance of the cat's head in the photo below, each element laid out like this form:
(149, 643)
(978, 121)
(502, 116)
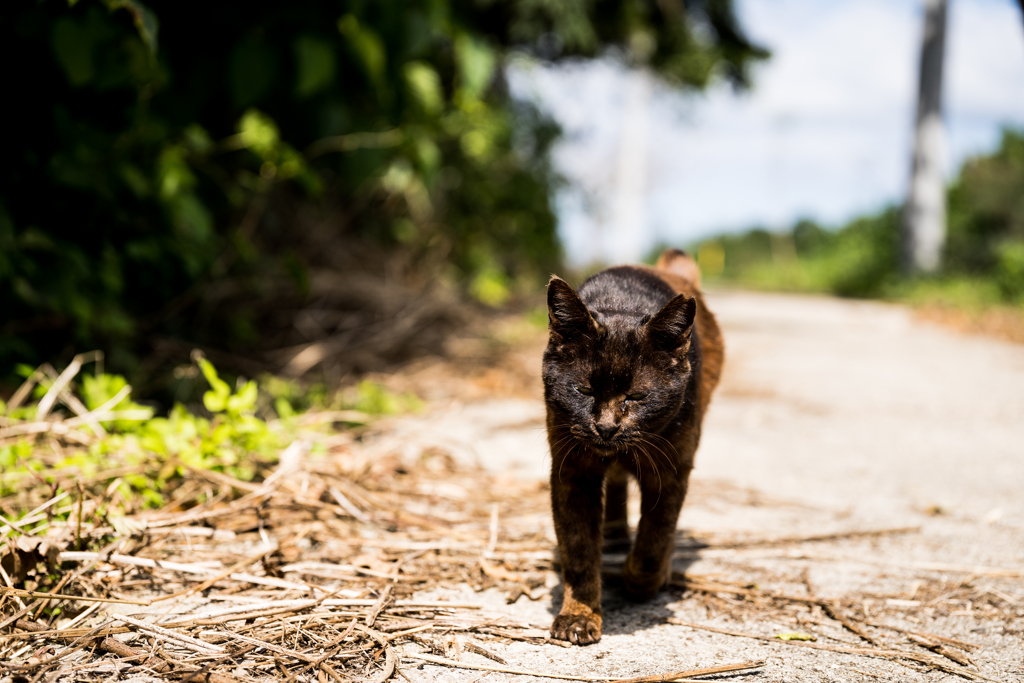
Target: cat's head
(616, 378)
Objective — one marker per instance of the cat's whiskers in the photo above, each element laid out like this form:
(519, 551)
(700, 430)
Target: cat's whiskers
(654, 466)
(569, 452)
(668, 459)
(568, 435)
(636, 461)
(662, 439)
(558, 444)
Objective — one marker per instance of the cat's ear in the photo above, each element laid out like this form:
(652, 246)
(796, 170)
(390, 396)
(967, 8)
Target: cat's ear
(568, 316)
(670, 329)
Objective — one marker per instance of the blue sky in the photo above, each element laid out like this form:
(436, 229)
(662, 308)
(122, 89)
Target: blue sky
(825, 133)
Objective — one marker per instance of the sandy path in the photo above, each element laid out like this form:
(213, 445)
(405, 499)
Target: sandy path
(832, 416)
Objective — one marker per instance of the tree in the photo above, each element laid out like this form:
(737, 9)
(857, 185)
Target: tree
(924, 216)
(192, 175)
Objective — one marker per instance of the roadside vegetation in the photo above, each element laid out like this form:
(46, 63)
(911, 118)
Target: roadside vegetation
(302, 194)
(305, 193)
(305, 189)
(980, 286)
(80, 432)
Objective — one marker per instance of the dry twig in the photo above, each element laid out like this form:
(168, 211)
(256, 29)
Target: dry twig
(678, 676)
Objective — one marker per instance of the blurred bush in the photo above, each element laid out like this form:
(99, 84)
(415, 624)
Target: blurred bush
(986, 208)
(983, 261)
(198, 174)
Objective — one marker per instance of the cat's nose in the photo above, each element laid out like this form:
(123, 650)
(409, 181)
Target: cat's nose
(607, 431)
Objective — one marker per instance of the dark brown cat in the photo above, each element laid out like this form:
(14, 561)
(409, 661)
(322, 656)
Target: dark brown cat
(628, 374)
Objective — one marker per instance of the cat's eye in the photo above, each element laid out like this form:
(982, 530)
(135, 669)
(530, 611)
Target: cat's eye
(636, 396)
(586, 391)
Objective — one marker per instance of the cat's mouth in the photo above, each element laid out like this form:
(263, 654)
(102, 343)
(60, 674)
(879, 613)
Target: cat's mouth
(606, 447)
(603, 446)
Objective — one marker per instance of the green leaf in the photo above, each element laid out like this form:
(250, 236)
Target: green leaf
(425, 86)
(197, 139)
(476, 62)
(135, 179)
(74, 45)
(216, 399)
(368, 47)
(314, 64)
(796, 635)
(98, 390)
(283, 408)
(376, 399)
(258, 131)
(245, 399)
(174, 175)
(146, 22)
(191, 219)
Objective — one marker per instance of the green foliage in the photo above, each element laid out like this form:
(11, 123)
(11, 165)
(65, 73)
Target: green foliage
(159, 451)
(234, 441)
(986, 208)
(99, 390)
(1009, 270)
(859, 260)
(219, 398)
(287, 397)
(146, 137)
(376, 399)
(984, 259)
(15, 458)
(144, 458)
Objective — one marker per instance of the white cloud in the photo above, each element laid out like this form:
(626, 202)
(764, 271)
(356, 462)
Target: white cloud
(828, 61)
(825, 133)
(985, 59)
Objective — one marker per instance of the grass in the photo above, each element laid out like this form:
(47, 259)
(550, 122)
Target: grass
(81, 433)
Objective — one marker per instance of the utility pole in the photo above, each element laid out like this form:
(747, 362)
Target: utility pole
(924, 216)
(627, 238)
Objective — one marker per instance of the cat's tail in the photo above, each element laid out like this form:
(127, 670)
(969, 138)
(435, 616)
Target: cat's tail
(682, 264)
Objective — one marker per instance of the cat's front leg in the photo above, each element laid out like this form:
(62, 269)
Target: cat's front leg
(577, 508)
(649, 565)
(616, 524)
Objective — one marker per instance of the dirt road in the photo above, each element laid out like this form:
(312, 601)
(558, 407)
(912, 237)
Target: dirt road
(833, 417)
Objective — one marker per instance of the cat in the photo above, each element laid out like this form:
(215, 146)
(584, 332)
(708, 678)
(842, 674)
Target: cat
(628, 372)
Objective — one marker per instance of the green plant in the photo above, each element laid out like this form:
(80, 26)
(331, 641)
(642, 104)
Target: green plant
(152, 454)
(177, 150)
(984, 260)
(137, 459)
(101, 390)
(233, 441)
(373, 398)
(1009, 269)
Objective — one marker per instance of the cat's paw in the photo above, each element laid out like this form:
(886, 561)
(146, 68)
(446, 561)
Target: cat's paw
(579, 629)
(640, 585)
